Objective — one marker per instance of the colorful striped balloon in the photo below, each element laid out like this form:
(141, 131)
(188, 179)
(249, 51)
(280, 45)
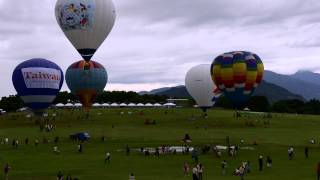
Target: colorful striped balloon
(86, 80)
(37, 82)
(237, 74)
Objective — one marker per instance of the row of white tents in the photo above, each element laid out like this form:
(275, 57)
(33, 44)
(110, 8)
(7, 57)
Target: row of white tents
(105, 105)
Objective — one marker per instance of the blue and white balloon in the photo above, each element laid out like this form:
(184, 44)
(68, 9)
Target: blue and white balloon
(37, 82)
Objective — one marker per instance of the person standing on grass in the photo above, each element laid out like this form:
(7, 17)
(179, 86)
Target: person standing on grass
(306, 152)
(16, 144)
(186, 169)
(69, 177)
(241, 172)
(224, 166)
(290, 152)
(80, 148)
(36, 142)
(59, 176)
(195, 173)
(127, 150)
(248, 167)
(260, 160)
(6, 170)
(131, 177)
(200, 171)
(269, 162)
(107, 158)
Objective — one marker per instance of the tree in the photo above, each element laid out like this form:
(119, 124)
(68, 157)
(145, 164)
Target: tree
(258, 103)
(289, 106)
(11, 103)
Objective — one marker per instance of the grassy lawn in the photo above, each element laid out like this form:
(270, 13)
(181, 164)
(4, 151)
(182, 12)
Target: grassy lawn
(40, 163)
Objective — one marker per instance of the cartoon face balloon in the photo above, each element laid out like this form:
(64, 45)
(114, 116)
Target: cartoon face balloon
(86, 23)
(86, 80)
(37, 82)
(201, 87)
(237, 74)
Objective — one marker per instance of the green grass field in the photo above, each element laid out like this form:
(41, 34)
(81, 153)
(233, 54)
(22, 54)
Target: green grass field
(31, 163)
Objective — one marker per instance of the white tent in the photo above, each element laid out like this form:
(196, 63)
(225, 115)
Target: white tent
(157, 105)
(140, 105)
(96, 105)
(132, 105)
(69, 105)
(170, 105)
(59, 105)
(123, 105)
(114, 105)
(105, 105)
(149, 105)
(77, 105)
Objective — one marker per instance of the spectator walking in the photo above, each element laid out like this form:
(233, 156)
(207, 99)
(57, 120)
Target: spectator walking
(131, 177)
(241, 172)
(200, 171)
(186, 169)
(306, 152)
(107, 158)
(224, 166)
(269, 162)
(195, 173)
(290, 152)
(6, 170)
(69, 177)
(80, 148)
(127, 150)
(248, 167)
(260, 160)
(195, 156)
(16, 143)
(56, 140)
(59, 176)
(36, 142)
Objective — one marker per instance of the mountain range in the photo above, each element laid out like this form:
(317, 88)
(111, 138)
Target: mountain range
(303, 85)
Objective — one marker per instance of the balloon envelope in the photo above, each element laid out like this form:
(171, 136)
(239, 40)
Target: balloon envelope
(37, 82)
(86, 80)
(86, 23)
(237, 74)
(201, 87)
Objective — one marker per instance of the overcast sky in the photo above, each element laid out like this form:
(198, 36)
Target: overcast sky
(155, 42)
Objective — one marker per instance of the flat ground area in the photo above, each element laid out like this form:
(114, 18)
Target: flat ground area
(120, 129)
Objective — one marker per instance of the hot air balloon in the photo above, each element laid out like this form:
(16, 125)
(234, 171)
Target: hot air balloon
(237, 74)
(86, 80)
(201, 87)
(86, 23)
(37, 82)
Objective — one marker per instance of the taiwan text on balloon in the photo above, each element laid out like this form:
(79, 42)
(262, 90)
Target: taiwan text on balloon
(37, 82)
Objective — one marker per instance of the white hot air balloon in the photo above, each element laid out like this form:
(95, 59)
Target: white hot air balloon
(200, 86)
(86, 23)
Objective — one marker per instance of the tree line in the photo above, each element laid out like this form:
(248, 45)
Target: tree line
(12, 103)
(255, 103)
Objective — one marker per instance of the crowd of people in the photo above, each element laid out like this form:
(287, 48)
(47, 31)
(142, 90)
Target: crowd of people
(197, 171)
